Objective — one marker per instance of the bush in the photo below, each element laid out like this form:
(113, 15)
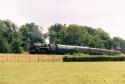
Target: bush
(93, 58)
(81, 55)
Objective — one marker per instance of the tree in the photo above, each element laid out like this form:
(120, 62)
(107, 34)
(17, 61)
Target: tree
(4, 46)
(73, 35)
(30, 34)
(17, 44)
(54, 33)
(80, 35)
(118, 43)
(8, 33)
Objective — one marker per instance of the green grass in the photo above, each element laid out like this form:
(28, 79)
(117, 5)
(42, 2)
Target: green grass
(63, 73)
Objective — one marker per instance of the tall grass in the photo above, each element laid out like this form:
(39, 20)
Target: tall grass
(62, 73)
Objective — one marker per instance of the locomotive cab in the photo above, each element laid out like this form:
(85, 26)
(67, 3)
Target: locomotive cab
(38, 48)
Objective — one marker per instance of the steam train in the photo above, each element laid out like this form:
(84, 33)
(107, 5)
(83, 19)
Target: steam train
(39, 48)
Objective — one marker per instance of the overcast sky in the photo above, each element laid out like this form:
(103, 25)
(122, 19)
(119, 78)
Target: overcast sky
(106, 14)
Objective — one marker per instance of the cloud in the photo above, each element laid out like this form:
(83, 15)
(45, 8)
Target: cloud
(107, 14)
(8, 10)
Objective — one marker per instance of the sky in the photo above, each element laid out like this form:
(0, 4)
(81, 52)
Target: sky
(106, 14)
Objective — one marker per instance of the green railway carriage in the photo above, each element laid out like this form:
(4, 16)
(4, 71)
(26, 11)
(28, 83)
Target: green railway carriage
(39, 48)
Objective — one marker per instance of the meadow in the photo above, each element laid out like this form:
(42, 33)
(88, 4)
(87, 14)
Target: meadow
(62, 73)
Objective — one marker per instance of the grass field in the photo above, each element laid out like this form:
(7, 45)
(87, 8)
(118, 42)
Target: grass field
(63, 73)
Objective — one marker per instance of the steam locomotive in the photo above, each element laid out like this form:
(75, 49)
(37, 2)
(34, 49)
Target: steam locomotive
(40, 48)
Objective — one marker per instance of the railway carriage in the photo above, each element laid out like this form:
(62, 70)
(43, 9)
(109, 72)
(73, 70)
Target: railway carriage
(39, 48)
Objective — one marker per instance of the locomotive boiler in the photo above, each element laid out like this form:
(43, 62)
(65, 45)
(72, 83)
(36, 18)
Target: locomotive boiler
(40, 48)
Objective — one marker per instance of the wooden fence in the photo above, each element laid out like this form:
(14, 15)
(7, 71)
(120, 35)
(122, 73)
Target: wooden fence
(31, 58)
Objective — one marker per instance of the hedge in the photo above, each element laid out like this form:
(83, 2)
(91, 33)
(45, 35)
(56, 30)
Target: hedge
(93, 58)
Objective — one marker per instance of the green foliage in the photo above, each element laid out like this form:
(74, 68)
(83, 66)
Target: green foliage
(15, 40)
(73, 35)
(30, 34)
(10, 39)
(78, 55)
(4, 46)
(118, 43)
(25, 38)
(54, 33)
(80, 35)
(16, 44)
(93, 58)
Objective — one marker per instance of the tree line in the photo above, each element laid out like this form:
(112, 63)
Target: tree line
(84, 36)
(14, 39)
